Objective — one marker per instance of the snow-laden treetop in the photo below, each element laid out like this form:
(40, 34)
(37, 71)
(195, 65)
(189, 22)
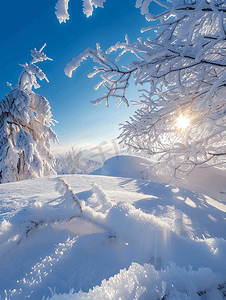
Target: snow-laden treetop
(28, 77)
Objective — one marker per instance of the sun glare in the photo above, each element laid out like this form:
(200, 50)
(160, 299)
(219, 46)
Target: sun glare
(182, 122)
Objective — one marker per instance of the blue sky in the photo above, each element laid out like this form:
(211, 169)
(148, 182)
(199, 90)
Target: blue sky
(28, 24)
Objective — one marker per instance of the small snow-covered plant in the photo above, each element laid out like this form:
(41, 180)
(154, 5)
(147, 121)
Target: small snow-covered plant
(182, 120)
(25, 132)
(72, 162)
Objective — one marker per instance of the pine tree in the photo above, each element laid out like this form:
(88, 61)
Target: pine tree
(25, 132)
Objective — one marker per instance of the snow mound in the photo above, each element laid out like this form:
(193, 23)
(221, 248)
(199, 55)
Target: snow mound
(123, 166)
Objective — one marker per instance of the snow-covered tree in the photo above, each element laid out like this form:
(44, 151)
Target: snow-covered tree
(72, 162)
(181, 122)
(25, 132)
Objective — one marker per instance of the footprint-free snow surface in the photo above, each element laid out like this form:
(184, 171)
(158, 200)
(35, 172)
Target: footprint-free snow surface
(103, 237)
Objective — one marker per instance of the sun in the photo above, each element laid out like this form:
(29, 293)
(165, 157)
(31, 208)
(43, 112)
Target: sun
(182, 122)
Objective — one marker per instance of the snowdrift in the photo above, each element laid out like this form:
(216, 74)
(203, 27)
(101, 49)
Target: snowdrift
(123, 166)
(204, 180)
(105, 237)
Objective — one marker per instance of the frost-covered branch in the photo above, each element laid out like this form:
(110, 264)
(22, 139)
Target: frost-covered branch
(114, 80)
(88, 6)
(185, 69)
(62, 8)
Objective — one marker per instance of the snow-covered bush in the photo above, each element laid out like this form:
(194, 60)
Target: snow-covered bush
(72, 162)
(25, 132)
(181, 122)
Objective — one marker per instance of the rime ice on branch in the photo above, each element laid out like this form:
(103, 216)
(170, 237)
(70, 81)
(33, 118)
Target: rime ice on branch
(25, 132)
(184, 68)
(62, 8)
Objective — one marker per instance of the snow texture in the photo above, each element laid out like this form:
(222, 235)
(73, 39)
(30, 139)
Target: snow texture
(105, 237)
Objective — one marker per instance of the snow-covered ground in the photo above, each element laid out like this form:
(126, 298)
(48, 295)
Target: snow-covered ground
(107, 237)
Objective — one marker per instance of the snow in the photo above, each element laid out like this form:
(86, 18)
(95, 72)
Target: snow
(118, 166)
(113, 236)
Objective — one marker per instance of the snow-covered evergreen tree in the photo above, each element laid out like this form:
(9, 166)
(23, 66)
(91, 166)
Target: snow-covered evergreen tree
(182, 119)
(25, 132)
